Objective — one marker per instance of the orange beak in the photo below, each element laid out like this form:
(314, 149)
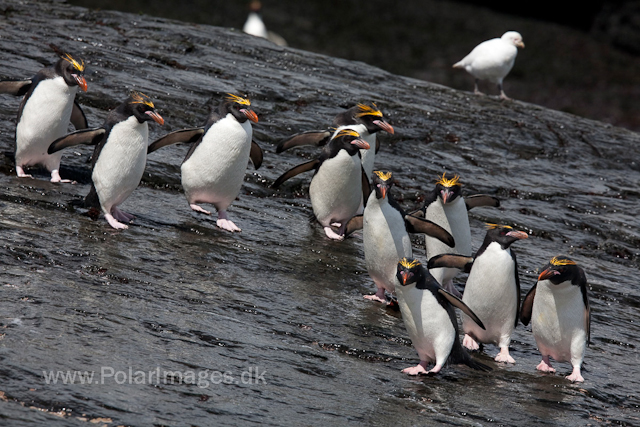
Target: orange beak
(156, 117)
(384, 126)
(361, 143)
(518, 234)
(250, 115)
(547, 274)
(80, 80)
(383, 190)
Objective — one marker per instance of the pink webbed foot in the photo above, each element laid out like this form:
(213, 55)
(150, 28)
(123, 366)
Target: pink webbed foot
(435, 369)
(121, 216)
(504, 356)
(55, 177)
(332, 234)
(470, 343)
(378, 296)
(224, 223)
(416, 370)
(575, 376)
(545, 365)
(114, 222)
(199, 209)
(21, 173)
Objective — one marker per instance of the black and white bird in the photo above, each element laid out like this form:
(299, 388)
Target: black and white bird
(385, 234)
(558, 308)
(428, 315)
(213, 170)
(339, 184)
(46, 109)
(492, 60)
(120, 156)
(492, 290)
(364, 119)
(446, 206)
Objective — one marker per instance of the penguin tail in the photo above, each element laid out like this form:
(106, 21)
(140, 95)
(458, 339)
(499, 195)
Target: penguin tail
(92, 201)
(460, 356)
(474, 364)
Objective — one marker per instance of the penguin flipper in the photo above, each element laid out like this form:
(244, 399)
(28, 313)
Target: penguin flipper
(481, 200)
(457, 302)
(84, 136)
(256, 155)
(419, 225)
(377, 145)
(527, 306)
(314, 137)
(462, 262)
(354, 224)
(15, 87)
(78, 119)
(176, 137)
(305, 167)
(366, 187)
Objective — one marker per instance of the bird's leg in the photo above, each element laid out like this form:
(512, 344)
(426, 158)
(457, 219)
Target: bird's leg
(114, 222)
(475, 89)
(504, 356)
(55, 177)
(545, 365)
(575, 375)
(21, 173)
(121, 216)
(332, 234)
(224, 222)
(503, 95)
(199, 209)
(420, 368)
(470, 343)
(378, 296)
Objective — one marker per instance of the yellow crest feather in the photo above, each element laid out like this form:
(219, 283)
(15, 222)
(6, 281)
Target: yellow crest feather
(347, 132)
(77, 65)
(141, 98)
(365, 110)
(448, 182)
(385, 176)
(561, 261)
(238, 99)
(494, 226)
(409, 264)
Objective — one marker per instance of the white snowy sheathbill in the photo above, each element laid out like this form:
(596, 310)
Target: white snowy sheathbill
(427, 312)
(558, 308)
(255, 26)
(445, 206)
(492, 290)
(44, 114)
(213, 170)
(385, 234)
(339, 184)
(120, 155)
(492, 60)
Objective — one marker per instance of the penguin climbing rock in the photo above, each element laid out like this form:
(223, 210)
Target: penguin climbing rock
(45, 111)
(339, 183)
(446, 207)
(385, 235)
(558, 308)
(214, 168)
(492, 290)
(120, 155)
(427, 311)
(364, 119)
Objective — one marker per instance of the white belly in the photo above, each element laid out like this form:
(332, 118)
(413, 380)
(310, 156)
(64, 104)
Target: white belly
(491, 294)
(558, 321)
(336, 189)
(121, 162)
(385, 241)
(45, 118)
(215, 171)
(427, 322)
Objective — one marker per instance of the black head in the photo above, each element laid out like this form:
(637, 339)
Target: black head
(410, 271)
(448, 188)
(349, 140)
(382, 183)
(372, 118)
(71, 70)
(139, 105)
(560, 269)
(238, 107)
(503, 234)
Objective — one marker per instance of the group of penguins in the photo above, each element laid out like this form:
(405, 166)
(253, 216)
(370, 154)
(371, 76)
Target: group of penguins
(346, 195)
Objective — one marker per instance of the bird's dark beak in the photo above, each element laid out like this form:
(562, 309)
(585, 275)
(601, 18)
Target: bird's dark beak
(156, 117)
(361, 143)
(250, 115)
(384, 126)
(80, 81)
(518, 234)
(548, 274)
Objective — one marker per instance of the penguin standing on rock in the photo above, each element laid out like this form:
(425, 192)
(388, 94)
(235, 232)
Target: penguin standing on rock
(364, 119)
(385, 236)
(339, 184)
(558, 308)
(120, 155)
(213, 170)
(446, 207)
(427, 311)
(45, 111)
(492, 290)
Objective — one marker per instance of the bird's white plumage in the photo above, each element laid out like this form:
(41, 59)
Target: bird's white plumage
(336, 189)
(491, 294)
(45, 118)
(428, 323)
(121, 162)
(492, 59)
(559, 321)
(385, 240)
(454, 218)
(215, 171)
(255, 26)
